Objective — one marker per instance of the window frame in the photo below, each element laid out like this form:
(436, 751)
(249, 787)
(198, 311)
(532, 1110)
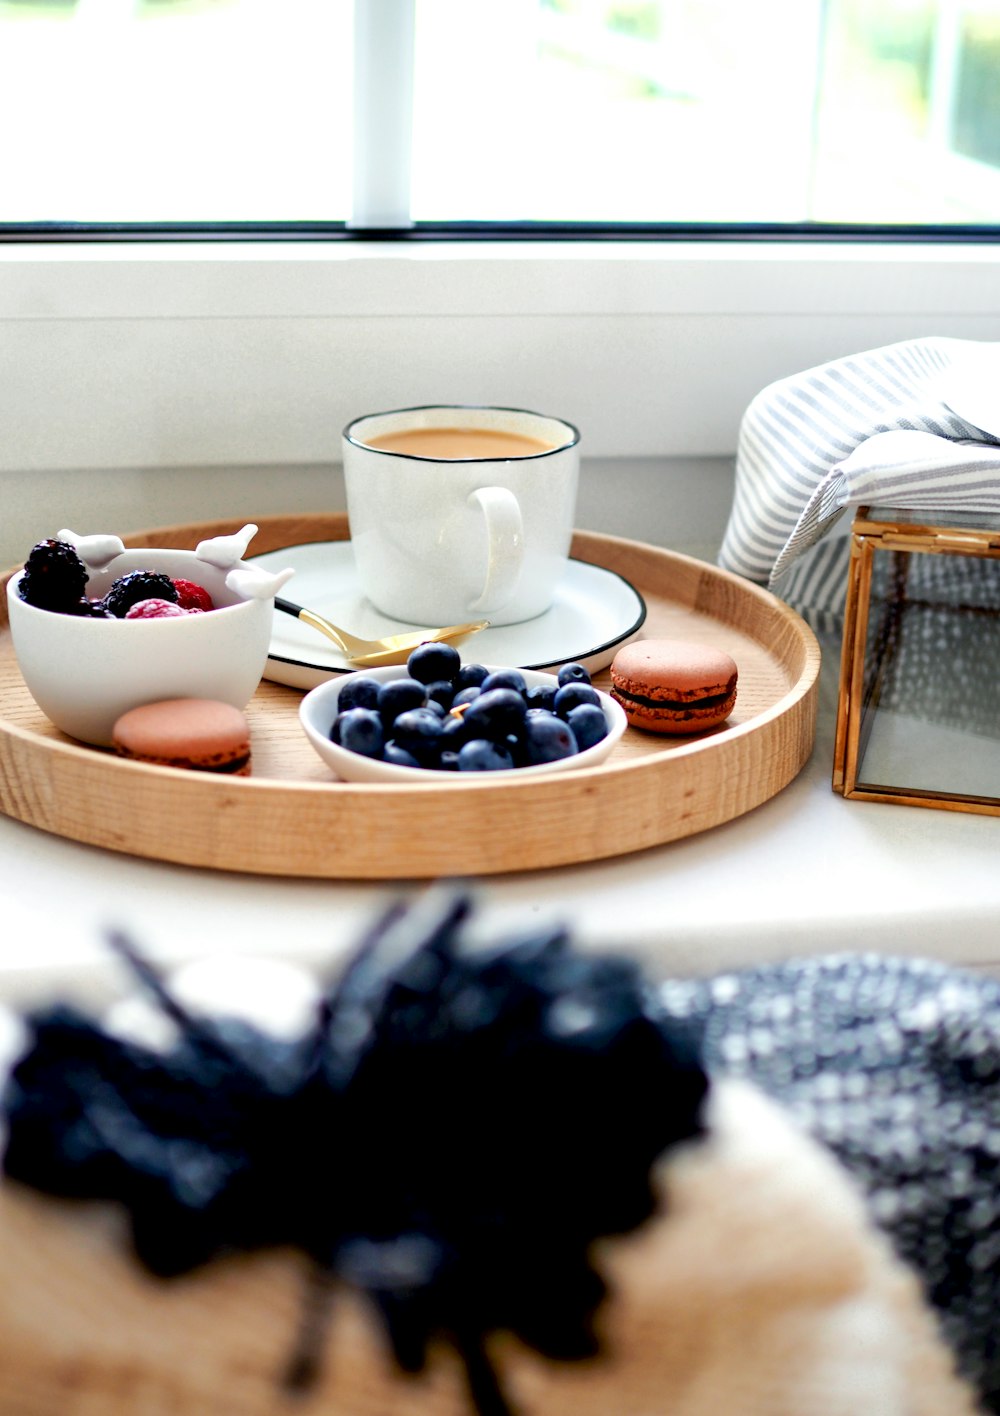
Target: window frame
(788, 233)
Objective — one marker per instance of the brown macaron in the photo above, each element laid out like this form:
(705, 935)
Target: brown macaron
(671, 686)
(200, 734)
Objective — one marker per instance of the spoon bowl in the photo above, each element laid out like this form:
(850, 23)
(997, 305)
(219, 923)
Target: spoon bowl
(378, 653)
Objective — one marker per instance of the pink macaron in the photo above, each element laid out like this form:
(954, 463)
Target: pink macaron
(198, 734)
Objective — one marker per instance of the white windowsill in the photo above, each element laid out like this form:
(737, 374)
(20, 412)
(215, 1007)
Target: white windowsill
(173, 280)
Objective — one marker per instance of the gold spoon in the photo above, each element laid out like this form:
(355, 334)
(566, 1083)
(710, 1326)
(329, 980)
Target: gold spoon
(373, 653)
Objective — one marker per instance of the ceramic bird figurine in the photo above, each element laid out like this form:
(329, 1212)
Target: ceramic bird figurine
(256, 584)
(95, 551)
(226, 551)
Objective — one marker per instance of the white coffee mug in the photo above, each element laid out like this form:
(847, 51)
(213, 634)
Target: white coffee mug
(460, 513)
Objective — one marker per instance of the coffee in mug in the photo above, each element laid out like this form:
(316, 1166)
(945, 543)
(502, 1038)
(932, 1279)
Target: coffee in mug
(460, 513)
(458, 444)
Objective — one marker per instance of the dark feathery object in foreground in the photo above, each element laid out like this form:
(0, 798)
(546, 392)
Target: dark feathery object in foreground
(423, 1141)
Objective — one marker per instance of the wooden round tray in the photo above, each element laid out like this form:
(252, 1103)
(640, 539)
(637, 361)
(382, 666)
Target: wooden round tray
(291, 817)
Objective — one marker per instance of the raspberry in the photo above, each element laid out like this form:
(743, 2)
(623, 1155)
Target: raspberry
(54, 577)
(191, 596)
(154, 609)
(138, 585)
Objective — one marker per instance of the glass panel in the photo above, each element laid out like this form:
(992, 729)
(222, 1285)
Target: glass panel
(577, 110)
(977, 100)
(175, 110)
(707, 110)
(932, 665)
(549, 110)
(908, 94)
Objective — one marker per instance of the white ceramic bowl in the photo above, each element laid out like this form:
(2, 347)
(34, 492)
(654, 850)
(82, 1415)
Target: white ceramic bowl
(84, 673)
(319, 708)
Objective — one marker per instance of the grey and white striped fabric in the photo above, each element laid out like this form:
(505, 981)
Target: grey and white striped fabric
(914, 425)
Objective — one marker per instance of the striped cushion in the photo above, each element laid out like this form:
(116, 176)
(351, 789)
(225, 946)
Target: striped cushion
(913, 425)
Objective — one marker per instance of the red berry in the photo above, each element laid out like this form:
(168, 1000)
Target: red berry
(154, 609)
(191, 596)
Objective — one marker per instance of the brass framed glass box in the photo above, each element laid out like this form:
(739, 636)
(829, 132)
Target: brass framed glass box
(918, 716)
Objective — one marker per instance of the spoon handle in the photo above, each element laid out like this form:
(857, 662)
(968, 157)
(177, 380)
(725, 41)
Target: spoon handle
(309, 617)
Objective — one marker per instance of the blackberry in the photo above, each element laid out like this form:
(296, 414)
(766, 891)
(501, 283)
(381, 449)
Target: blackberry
(88, 609)
(54, 576)
(138, 585)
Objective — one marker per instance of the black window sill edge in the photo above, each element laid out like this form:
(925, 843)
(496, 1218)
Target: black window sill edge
(513, 231)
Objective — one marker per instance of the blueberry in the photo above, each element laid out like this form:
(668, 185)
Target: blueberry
(514, 743)
(573, 673)
(470, 676)
(588, 725)
(358, 692)
(495, 713)
(453, 732)
(418, 731)
(398, 757)
(429, 663)
(547, 739)
(481, 756)
(398, 695)
(433, 706)
(453, 727)
(440, 691)
(572, 694)
(466, 695)
(448, 761)
(505, 678)
(541, 696)
(361, 732)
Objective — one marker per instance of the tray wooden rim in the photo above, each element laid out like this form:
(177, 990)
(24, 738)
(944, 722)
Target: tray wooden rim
(607, 810)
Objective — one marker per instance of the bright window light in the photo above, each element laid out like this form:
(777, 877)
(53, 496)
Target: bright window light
(390, 113)
(846, 111)
(175, 110)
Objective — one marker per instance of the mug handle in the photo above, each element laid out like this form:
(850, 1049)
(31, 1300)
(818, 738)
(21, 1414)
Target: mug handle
(505, 556)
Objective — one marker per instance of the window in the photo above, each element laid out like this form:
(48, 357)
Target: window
(621, 112)
(682, 111)
(174, 110)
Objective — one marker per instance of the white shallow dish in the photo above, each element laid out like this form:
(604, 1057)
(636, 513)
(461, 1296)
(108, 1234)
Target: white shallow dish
(595, 611)
(319, 708)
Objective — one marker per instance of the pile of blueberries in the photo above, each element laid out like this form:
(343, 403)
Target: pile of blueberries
(455, 717)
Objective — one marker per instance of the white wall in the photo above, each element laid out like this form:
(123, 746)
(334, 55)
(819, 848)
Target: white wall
(236, 365)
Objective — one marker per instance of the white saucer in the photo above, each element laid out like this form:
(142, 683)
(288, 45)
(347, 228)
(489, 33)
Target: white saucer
(594, 612)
